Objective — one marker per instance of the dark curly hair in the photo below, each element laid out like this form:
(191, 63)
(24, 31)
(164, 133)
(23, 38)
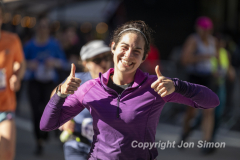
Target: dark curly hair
(140, 25)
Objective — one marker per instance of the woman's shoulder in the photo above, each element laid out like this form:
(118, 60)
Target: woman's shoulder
(90, 83)
(87, 86)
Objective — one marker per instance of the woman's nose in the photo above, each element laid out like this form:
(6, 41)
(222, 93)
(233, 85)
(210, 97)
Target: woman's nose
(128, 53)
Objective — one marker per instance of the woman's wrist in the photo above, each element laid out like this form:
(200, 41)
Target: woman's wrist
(58, 91)
(180, 86)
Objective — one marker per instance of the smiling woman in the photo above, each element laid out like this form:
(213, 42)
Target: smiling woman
(128, 56)
(125, 102)
(137, 27)
(130, 45)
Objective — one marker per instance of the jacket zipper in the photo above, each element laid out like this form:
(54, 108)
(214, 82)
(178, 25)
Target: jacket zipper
(118, 99)
(118, 108)
(119, 96)
(118, 114)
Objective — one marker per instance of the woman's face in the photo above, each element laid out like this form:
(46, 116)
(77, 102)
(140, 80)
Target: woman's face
(43, 27)
(128, 53)
(204, 33)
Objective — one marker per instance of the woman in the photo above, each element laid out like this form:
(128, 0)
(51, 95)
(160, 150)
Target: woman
(12, 68)
(95, 57)
(198, 51)
(44, 57)
(125, 103)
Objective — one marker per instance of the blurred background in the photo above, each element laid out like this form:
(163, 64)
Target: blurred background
(73, 23)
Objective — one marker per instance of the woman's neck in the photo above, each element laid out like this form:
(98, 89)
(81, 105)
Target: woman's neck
(122, 79)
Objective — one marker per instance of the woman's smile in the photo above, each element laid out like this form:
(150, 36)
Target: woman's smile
(126, 63)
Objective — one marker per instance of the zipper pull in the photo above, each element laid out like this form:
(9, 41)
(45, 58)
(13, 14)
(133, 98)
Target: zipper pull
(118, 109)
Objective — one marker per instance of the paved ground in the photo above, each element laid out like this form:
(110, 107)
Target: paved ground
(53, 149)
(25, 147)
(170, 133)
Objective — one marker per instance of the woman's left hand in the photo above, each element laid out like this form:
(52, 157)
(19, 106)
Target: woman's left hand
(163, 86)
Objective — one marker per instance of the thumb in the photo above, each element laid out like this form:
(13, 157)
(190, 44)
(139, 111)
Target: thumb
(73, 68)
(157, 70)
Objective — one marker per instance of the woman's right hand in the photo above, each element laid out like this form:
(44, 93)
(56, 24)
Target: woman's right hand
(71, 84)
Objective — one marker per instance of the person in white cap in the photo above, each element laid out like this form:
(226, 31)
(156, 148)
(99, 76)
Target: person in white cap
(77, 133)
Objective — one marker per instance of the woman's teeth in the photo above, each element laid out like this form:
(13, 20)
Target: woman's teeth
(126, 62)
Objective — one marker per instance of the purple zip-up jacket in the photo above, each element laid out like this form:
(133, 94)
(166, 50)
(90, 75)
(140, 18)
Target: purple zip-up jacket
(118, 120)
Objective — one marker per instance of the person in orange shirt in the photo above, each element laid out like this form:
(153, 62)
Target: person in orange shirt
(12, 67)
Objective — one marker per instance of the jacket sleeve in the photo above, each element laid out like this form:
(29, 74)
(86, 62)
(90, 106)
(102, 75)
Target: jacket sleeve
(60, 110)
(191, 94)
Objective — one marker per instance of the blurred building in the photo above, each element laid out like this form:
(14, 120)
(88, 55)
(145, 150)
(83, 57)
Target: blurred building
(172, 20)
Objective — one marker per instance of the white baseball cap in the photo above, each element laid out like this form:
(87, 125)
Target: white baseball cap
(93, 48)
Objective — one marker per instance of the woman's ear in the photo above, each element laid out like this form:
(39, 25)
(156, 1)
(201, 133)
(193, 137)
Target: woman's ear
(113, 46)
(145, 58)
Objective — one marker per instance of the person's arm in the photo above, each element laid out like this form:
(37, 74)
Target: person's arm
(194, 95)
(61, 109)
(17, 76)
(19, 65)
(175, 90)
(53, 92)
(19, 69)
(68, 126)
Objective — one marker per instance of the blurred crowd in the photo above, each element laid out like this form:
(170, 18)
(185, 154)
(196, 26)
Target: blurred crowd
(207, 58)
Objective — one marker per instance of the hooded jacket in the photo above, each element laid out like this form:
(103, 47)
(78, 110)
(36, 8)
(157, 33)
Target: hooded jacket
(119, 121)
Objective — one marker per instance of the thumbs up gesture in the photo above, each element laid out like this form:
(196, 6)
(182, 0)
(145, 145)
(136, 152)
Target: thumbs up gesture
(163, 86)
(71, 84)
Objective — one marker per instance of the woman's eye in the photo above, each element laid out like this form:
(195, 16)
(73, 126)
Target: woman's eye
(136, 52)
(124, 48)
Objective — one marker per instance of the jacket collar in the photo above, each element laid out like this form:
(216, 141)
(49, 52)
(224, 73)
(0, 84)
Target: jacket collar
(139, 77)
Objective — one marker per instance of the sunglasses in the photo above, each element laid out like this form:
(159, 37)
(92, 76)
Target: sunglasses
(98, 60)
